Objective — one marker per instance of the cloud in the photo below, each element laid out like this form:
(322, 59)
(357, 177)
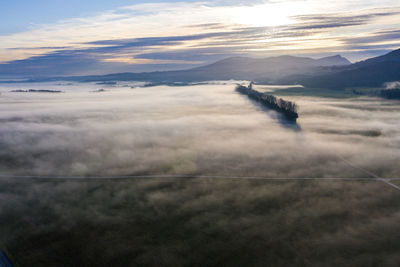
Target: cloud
(138, 51)
(375, 37)
(40, 48)
(392, 85)
(156, 41)
(326, 21)
(208, 26)
(160, 31)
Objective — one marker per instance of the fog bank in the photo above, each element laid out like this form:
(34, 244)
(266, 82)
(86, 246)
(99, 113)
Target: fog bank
(196, 130)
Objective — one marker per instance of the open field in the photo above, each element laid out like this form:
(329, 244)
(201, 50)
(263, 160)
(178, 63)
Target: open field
(322, 92)
(200, 222)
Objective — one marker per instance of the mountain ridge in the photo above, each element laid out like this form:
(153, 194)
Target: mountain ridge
(334, 72)
(239, 68)
(373, 72)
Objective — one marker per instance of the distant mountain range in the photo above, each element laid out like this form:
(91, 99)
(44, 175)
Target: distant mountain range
(373, 72)
(236, 68)
(329, 72)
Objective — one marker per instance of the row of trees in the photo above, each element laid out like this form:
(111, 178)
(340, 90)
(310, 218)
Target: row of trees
(288, 108)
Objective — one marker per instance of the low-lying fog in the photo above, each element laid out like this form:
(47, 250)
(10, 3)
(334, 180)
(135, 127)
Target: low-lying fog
(198, 130)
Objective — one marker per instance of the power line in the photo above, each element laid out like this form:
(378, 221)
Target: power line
(183, 176)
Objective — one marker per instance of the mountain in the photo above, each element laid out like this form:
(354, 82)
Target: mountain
(393, 56)
(337, 60)
(334, 72)
(270, 69)
(373, 72)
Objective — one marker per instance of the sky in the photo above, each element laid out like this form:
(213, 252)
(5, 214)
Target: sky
(54, 37)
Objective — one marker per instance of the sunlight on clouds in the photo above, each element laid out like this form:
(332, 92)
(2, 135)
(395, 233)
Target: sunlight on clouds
(9, 55)
(173, 19)
(274, 14)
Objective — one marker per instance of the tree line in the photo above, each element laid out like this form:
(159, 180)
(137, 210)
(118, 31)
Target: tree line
(390, 93)
(288, 108)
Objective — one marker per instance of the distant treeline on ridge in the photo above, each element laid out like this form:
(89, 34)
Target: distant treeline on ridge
(390, 93)
(288, 108)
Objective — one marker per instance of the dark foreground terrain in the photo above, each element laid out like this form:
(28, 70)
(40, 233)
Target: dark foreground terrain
(199, 222)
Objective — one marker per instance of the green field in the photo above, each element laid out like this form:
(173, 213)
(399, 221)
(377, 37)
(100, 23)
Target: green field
(323, 92)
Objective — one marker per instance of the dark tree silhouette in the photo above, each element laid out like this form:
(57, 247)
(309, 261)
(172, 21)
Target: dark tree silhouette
(288, 108)
(391, 93)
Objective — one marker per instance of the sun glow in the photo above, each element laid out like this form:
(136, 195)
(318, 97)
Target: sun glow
(272, 14)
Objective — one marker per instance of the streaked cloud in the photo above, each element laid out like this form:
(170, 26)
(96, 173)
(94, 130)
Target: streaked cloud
(324, 21)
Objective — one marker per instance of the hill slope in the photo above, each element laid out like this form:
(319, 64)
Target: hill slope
(238, 68)
(373, 72)
(333, 72)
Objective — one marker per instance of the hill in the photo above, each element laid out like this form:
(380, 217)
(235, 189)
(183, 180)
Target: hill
(334, 72)
(237, 68)
(374, 72)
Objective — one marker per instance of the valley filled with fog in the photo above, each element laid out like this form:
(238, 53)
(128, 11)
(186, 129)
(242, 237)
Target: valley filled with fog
(62, 129)
(186, 147)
